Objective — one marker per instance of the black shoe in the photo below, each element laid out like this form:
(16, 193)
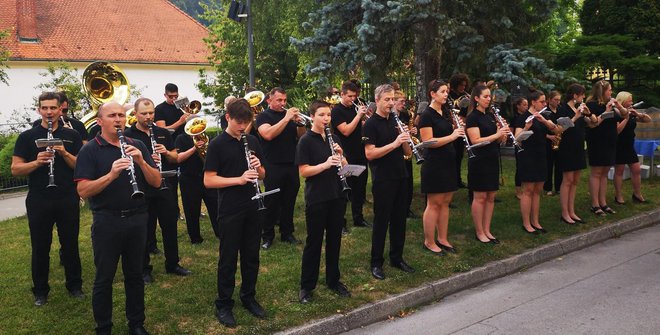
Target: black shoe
(533, 232)
(341, 290)
(77, 293)
(411, 215)
(139, 330)
(621, 202)
(377, 272)
(305, 296)
(566, 221)
(638, 200)
(494, 240)
(580, 221)
(436, 253)
(155, 251)
(179, 271)
(403, 266)
(344, 231)
(597, 210)
(540, 230)
(147, 278)
(607, 209)
(362, 223)
(197, 241)
(267, 244)
(486, 242)
(445, 247)
(290, 239)
(225, 317)
(254, 308)
(40, 300)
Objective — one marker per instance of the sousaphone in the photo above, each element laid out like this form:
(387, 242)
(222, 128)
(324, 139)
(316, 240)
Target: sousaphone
(103, 82)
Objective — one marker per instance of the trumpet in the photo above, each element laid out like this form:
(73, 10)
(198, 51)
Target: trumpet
(259, 196)
(357, 108)
(183, 103)
(502, 123)
(65, 123)
(152, 137)
(328, 134)
(137, 194)
(51, 164)
(468, 146)
(415, 152)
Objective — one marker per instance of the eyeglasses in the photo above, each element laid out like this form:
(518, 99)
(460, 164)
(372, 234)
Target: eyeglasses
(172, 96)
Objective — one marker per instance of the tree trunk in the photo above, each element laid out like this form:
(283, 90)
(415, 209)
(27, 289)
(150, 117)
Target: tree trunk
(426, 57)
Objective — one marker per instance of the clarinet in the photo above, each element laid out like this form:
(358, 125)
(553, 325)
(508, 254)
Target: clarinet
(152, 137)
(257, 188)
(500, 120)
(399, 124)
(345, 188)
(457, 121)
(137, 194)
(51, 164)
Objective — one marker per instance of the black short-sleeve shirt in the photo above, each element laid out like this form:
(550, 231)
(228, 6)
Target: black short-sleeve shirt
(441, 127)
(313, 149)
(487, 126)
(26, 148)
(170, 114)
(75, 124)
(226, 157)
(194, 165)
(163, 137)
(536, 141)
(95, 160)
(282, 148)
(352, 144)
(381, 131)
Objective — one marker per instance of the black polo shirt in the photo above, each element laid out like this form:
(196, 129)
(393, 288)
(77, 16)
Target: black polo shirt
(194, 165)
(380, 132)
(352, 144)
(281, 149)
(487, 126)
(95, 160)
(170, 114)
(226, 157)
(75, 124)
(441, 127)
(26, 148)
(313, 149)
(162, 137)
(93, 131)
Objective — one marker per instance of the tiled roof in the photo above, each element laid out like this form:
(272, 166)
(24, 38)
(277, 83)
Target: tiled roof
(149, 31)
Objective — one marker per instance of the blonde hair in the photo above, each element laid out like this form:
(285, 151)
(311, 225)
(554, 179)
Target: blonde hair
(398, 94)
(623, 96)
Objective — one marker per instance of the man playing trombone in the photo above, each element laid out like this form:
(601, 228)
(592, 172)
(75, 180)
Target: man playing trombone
(280, 129)
(52, 198)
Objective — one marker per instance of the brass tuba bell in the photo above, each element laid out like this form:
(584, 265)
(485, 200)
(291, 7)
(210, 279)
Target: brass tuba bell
(195, 127)
(103, 82)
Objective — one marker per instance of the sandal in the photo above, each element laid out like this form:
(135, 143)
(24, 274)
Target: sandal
(598, 211)
(607, 209)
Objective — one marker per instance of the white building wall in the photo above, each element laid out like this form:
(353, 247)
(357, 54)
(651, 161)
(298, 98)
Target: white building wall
(150, 78)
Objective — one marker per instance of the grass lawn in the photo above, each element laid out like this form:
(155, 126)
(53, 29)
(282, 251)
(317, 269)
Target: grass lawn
(184, 305)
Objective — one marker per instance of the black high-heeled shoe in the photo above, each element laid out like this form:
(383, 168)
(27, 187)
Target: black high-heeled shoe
(541, 230)
(580, 221)
(533, 232)
(445, 247)
(638, 200)
(607, 209)
(597, 210)
(622, 202)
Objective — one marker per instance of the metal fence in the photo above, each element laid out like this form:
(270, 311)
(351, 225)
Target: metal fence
(12, 184)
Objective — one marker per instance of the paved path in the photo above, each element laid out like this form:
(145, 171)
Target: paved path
(12, 207)
(609, 288)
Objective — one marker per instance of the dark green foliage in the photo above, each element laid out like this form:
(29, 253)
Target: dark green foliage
(6, 154)
(193, 8)
(4, 56)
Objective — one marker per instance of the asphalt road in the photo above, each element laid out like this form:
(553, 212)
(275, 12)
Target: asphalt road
(609, 288)
(12, 207)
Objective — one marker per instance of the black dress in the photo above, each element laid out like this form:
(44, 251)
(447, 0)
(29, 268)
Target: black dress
(439, 167)
(484, 169)
(601, 140)
(516, 120)
(572, 156)
(531, 161)
(625, 149)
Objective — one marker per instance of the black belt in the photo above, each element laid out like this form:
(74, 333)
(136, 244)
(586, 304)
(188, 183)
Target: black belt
(124, 213)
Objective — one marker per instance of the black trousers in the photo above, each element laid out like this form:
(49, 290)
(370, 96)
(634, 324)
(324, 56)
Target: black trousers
(358, 193)
(409, 184)
(554, 170)
(42, 215)
(239, 233)
(161, 208)
(173, 187)
(323, 217)
(389, 211)
(281, 204)
(459, 148)
(192, 194)
(114, 237)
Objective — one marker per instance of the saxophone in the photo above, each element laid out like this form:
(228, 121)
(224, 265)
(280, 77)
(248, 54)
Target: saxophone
(555, 142)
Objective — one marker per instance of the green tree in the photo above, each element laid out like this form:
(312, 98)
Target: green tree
(4, 56)
(193, 8)
(276, 63)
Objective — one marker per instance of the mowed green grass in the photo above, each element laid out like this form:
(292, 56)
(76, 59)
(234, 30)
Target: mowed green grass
(184, 305)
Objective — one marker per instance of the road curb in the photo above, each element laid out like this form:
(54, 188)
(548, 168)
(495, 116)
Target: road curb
(430, 292)
(12, 195)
